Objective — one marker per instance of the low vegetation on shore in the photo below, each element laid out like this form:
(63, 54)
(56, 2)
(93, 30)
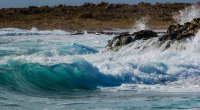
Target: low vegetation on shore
(90, 16)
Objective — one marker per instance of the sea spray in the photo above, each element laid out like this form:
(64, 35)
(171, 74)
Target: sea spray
(140, 25)
(194, 43)
(187, 14)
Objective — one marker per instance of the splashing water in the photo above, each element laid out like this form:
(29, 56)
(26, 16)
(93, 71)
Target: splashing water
(127, 66)
(194, 44)
(63, 71)
(188, 14)
(140, 25)
(53, 70)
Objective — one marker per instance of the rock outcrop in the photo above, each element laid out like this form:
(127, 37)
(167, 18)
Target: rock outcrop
(180, 32)
(175, 34)
(126, 38)
(120, 40)
(144, 34)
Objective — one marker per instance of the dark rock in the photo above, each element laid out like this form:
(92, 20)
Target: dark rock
(184, 35)
(196, 21)
(179, 32)
(77, 33)
(124, 34)
(174, 28)
(175, 34)
(126, 38)
(120, 40)
(144, 34)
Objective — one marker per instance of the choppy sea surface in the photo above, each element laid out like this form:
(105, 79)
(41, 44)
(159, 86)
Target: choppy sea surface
(53, 70)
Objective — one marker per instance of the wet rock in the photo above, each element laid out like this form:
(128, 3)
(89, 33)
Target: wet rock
(77, 33)
(144, 34)
(120, 40)
(175, 35)
(196, 21)
(184, 35)
(180, 32)
(126, 38)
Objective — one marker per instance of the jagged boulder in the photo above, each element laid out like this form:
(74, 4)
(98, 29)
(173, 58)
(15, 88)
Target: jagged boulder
(120, 40)
(196, 21)
(126, 38)
(144, 34)
(179, 32)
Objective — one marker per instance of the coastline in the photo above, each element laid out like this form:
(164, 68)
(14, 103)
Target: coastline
(102, 16)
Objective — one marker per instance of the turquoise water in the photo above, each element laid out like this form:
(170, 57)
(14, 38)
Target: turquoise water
(53, 70)
(101, 100)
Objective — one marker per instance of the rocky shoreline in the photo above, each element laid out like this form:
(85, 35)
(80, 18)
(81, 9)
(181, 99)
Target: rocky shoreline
(173, 34)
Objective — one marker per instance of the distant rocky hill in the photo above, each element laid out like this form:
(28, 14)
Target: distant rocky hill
(90, 16)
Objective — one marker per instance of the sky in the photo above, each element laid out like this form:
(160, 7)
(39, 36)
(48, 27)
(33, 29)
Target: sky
(26, 3)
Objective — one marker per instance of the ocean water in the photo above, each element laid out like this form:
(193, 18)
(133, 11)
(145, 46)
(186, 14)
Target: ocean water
(53, 70)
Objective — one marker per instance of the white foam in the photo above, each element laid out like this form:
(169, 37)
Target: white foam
(140, 25)
(128, 60)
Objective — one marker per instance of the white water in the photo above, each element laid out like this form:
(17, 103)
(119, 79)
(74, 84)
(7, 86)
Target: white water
(150, 64)
(144, 62)
(140, 25)
(188, 14)
(151, 78)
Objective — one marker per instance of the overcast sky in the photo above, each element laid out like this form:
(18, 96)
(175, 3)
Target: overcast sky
(26, 3)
